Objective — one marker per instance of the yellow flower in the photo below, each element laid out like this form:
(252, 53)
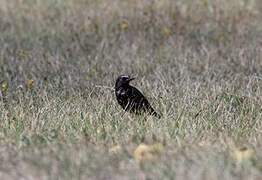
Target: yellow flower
(4, 86)
(115, 149)
(124, 25)
(243, 154)
(166, 31)
(205, 3)
(157, 148)
(220, 38)
(145, 152)
(30, 83)
(23, 54)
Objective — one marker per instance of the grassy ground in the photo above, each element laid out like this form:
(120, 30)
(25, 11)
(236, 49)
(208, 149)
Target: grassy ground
(198, 62)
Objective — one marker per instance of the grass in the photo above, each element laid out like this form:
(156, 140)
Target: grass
(198, 62)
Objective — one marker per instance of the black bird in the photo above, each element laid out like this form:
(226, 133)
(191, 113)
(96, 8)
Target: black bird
(130, 98)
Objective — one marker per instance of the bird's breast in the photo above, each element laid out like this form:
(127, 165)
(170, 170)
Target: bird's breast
(121, 96)
(121, 93)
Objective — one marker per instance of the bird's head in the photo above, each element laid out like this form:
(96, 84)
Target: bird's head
(123, 80)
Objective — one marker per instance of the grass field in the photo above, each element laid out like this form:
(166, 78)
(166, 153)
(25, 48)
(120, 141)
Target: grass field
(199, 62)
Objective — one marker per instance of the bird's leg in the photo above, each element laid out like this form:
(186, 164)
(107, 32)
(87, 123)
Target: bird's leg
(128, 105)
(123, 113)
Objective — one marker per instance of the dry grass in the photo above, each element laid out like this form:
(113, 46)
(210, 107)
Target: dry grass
(199, 63)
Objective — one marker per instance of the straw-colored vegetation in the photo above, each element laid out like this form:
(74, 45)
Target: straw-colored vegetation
(199, 62)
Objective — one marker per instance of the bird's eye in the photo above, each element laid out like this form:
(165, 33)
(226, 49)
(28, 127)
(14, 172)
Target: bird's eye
(125, 78)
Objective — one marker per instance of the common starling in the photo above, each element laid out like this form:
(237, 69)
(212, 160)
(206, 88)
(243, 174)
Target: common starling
(130, 98)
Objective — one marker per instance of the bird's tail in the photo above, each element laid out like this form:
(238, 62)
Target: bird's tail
(156, 114)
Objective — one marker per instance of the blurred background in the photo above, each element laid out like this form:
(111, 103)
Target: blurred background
(73, 44)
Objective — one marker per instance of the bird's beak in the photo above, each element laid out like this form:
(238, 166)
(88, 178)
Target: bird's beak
(130, 79)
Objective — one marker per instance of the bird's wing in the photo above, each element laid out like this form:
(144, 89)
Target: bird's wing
(137, 101)
(140, 98)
